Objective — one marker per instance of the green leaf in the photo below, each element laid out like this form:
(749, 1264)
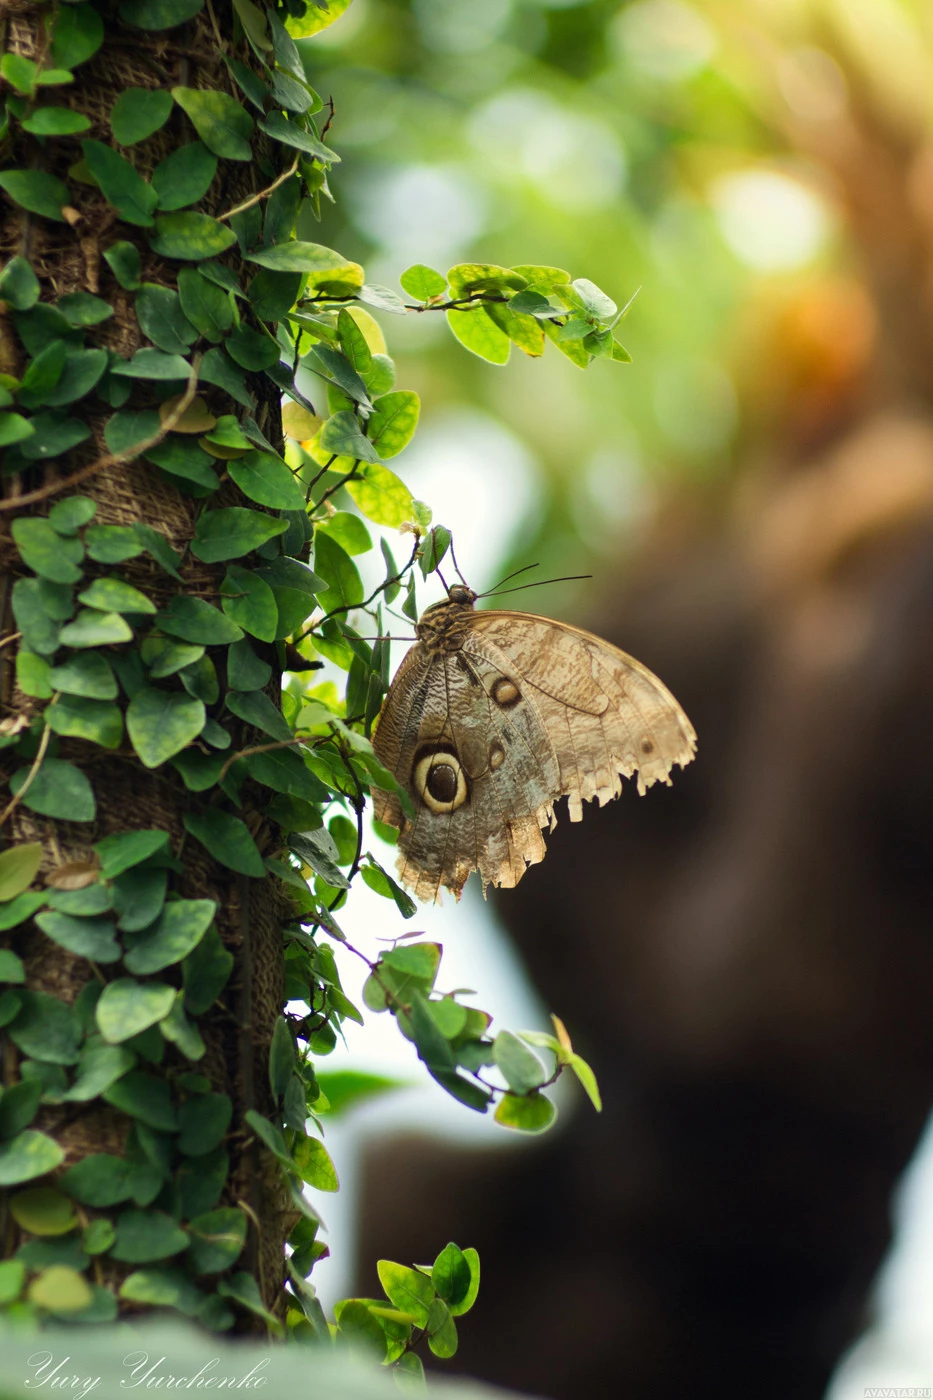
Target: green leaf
(138, 112)
(32, 674)
(12, 1278)
(78, 717)
(232, 532)
(474, 329)
(252, 350)
(87, 937)
(245, 670)
(342, 436)
(217, 1240)
(159, 14)
(161, 1288)
(20, 72)
(126, 849)
(532, 1113)
(451, 1275)
(184, 176)
(587, 1079)
(113, 595)
(394, 420)
(203, 1122)
(125, 263)
(139, 896)
(77, 34)
(161, 723)
(146, 1098)
(46, 1029)
(377, 879)
(121, 184)
(182, 458)
(208, 307)
(296, 135)
(349, 532)
(159, 547)
(112, 544)
(92, 628)
(19, 285)
(81, 371)
(228, 840)
(18, 868)
(43, 1210)
(83, 309)
(14, 428)
(126, 432)
(194, 620)
(37, 192)
(520, 1066)
(217, 369)
(58, 790)
(205, 972)
(285, 771)
(407, 1289)
(101, 1179)
(127, 1007)
(295, 256)
(27, 1156)
(250, 602)
(152, 364)
(69, 515)
(222, 124)
(55, 121)
(281, 1058)
(344, 585)
(47, 552)
(178, 929)
(381, 496)
(147, 1235)
(17, 911)
(313, 1163)
(32, 599)
(265, 478)
(164, 657)
(52, 435)
(523, 331)
(11, 967)
(441, 1330)
(88, 899)
(190, 237)
(158, 310)
(422, 282)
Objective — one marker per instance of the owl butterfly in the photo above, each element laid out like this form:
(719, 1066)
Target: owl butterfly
(494, 716)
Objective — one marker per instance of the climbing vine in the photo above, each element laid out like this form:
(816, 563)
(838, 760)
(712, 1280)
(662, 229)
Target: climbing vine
(208, 353)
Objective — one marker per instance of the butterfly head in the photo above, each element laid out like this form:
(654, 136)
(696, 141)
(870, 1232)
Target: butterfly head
(459, 593)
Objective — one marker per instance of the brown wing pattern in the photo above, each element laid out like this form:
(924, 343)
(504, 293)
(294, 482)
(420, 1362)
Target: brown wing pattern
(486, 738)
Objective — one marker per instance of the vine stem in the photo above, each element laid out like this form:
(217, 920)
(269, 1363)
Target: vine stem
(111, 459)
(30, 776)
(263, 194)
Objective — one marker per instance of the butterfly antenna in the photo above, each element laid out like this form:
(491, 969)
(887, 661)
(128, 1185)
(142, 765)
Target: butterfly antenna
(566, 578)
(456, 565)
(514, 574)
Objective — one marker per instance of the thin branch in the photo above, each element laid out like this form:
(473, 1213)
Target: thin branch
(257, 748)
(350, 476)
(349, 607)
(111, 459)
(13, 637)
(30, 776)
(263, 194)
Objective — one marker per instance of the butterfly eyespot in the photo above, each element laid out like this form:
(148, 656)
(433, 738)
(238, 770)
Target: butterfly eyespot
(496, 756)
(647, 746)
(506, 693)
(440, 781)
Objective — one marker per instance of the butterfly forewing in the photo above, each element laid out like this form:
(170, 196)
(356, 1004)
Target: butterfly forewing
(491, 718)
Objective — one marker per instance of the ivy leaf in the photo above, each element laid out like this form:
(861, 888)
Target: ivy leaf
(207, 306)
(422, 282)
(127, 1007)
(88, 937)
(68, 516)
(222, 124)
(161, 723)
(88, 673)
(159, 14)
(190, 237)
(52, 435)
(55, 121)
(121, 184)
(152, 364)
(96, 629)
(381, 496)
(344, 585)
(126, 849)
(393, 421)
(342, 436)
(480, 335)
(314, 1165)
(232, 532)
(217, 369)
(265, 478)
(28, 1155)
(217, 1239)
(175, 933)
(78, 717)
(113, 595)
(147, 1235)
(138, 112)
(409, 1290)
(184, 176)
(531, 1113)
(46, 552)
(250, 602)
(18, 868)
(160, 317)
(195, 620)
(125, 263)
(520, 1067)
(295, 256)
(19, 285)
(58, 790)
(228, 841)
(77, 34)
(37, 192)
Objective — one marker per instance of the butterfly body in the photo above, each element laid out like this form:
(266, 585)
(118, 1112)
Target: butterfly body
(492, 717)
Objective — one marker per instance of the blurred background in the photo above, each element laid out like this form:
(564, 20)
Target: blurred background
(746, 958)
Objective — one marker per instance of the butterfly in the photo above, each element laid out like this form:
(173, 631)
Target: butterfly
(492, 717)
